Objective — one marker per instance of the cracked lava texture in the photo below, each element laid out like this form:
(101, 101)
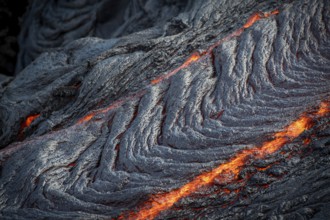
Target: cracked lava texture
(168, 110)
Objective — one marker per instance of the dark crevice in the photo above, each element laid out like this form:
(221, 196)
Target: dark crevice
(10, 16)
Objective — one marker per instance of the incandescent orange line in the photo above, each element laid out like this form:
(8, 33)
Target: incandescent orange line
(196, 56)
(114, 105)
(192, 59)
(160, 202)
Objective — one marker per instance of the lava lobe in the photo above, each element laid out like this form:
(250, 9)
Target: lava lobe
(168, 110)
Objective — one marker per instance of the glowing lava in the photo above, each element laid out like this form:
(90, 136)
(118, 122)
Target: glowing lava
(114, 105)
(100, 111)
(196, 56)
(257, 16)
(193, 58)
(228, 171)
(324, 108)
(29, 120)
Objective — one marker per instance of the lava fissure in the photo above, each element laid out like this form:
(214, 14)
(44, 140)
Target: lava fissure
(163, 201)
(26, 124)
(158, 128)
(191, 59)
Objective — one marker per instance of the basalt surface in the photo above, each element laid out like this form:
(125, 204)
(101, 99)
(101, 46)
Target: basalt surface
(168, 110)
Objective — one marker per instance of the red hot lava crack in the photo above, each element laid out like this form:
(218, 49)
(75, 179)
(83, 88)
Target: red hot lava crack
(192, 59)
(230, 170)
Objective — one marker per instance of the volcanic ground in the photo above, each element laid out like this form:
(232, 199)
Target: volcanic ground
(190, 109)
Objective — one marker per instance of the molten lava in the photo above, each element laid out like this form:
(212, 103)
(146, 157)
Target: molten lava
(196, 56)
(295, 128)
(257, 16)
(324, 108)
(100, 111)
(25, 124)
(230, 170)
(114, 105)
(160, 202)
(252, 19)
(29, 120)
(193, 58)
(86, 118)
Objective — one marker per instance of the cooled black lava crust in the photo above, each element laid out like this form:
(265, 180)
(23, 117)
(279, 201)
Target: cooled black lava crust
(77, 57)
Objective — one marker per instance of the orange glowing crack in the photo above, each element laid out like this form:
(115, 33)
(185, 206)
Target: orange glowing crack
(193, 58)
(295, 128)
(324, 109)
(197, 56)
(100, 111)
(114, 105)
(86, 118)
(252, 19)
(228, 171)
(257, 16)
(29, 120)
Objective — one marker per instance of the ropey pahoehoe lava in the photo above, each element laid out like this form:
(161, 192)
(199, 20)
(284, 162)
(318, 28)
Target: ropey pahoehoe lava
(168, 110)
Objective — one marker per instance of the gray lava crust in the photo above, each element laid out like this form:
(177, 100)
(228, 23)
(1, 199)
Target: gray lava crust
(98, 58)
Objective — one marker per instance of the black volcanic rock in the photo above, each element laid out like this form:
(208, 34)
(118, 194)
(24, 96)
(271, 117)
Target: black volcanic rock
(10, 17)
(107, 134)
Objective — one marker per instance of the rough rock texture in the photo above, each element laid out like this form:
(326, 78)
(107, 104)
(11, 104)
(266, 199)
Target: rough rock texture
(50, 24)
(107, 137)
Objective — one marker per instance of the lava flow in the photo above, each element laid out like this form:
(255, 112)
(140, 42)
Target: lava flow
(163, 201)
(25, 124)
(104, 110)
(114, 105)
(257, 16)
(196, 56)
(28, 121)
(192, 59)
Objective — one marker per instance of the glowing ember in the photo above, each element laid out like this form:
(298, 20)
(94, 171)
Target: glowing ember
(29, 120)
(164, 201)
